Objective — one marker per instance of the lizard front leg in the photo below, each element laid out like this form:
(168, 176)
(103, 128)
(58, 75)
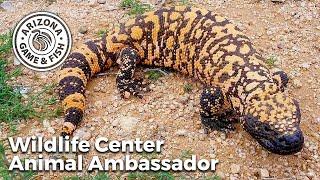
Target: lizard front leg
(126, 83)
(280, 77)
(215, 110)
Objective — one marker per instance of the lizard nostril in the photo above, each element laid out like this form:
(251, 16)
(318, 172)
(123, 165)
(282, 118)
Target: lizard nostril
(292, 139)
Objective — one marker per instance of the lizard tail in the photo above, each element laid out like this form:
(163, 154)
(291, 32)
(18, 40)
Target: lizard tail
(83, 63)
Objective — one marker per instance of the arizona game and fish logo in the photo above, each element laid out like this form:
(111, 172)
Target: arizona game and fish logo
(42, 41)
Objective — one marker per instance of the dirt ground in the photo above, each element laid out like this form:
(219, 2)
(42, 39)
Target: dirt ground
(287, 30)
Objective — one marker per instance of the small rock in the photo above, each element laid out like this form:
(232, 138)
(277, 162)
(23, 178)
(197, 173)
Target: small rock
(297, 83)
(305, 65)
(44, 76)
(83, 29)
(111, 8)
(83, 134)
(235, 168)
(105, 119)
(23, 90)
(46, 124)
(96, 89)
(98, 104)
(278, 1)
(264, 173)
(7, 5)
(311, 174)
(51, 130)
(101, 1)
(16, 61)
(115, 123)
(92, 2)
(172, 107)
(318, 120)
(202, 137)
(182, 132)
(152, 86)
(128, 123)
(184, 99)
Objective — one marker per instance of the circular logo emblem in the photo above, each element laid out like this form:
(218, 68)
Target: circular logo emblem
(42, 41)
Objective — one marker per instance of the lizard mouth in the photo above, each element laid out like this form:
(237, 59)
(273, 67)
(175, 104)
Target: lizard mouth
(272, 140)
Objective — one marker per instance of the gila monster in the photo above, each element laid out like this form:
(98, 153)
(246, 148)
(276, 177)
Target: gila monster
(200, 44)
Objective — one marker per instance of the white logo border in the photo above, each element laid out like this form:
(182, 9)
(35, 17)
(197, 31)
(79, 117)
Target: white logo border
(66, 27)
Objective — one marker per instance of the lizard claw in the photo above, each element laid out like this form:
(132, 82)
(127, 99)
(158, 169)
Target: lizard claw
(212, 123)
(136, 87)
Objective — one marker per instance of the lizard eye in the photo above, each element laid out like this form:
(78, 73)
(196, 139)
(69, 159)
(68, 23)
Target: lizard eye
(266, 128)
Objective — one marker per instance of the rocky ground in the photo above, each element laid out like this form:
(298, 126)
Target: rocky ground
(287, 30)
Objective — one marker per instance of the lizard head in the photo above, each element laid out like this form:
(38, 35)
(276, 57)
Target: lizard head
(273, 120)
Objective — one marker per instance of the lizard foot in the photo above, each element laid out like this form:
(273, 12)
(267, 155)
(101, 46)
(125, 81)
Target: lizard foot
(135, 87)
(219, 124)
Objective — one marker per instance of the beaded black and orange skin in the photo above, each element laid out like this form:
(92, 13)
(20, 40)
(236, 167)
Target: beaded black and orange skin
(197, 43)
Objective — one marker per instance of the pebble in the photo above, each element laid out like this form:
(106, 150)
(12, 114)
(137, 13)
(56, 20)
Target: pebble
(83, 134)
(297, 83)
(127, 123)
(98, 104)
(311, 174)
(202, 137)
(46, 124)
(182, 132)
(235, 168)
(96, 89)
(152, 86)
(318, 120)
(233, 177)
(264, 173)
(7, 5)
(83, 29)
(305, 65)
(278, 1)
(115, 123)
(51, 130)
(110, 8)
(92, 2)
(16, 61)
(23, 90)
(172, 107)
(101, 1)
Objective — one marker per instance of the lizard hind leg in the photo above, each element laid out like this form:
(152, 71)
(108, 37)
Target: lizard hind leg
(126, 83)
(215, 110)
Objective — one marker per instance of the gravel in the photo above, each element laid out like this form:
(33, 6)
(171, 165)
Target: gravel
(83, 133)
(127, 123)
(264, 173)
(278, 1)
(83, 29)
(7, 5)
(297, 83)
(181, 132)
(235, 168)
(101, 1)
